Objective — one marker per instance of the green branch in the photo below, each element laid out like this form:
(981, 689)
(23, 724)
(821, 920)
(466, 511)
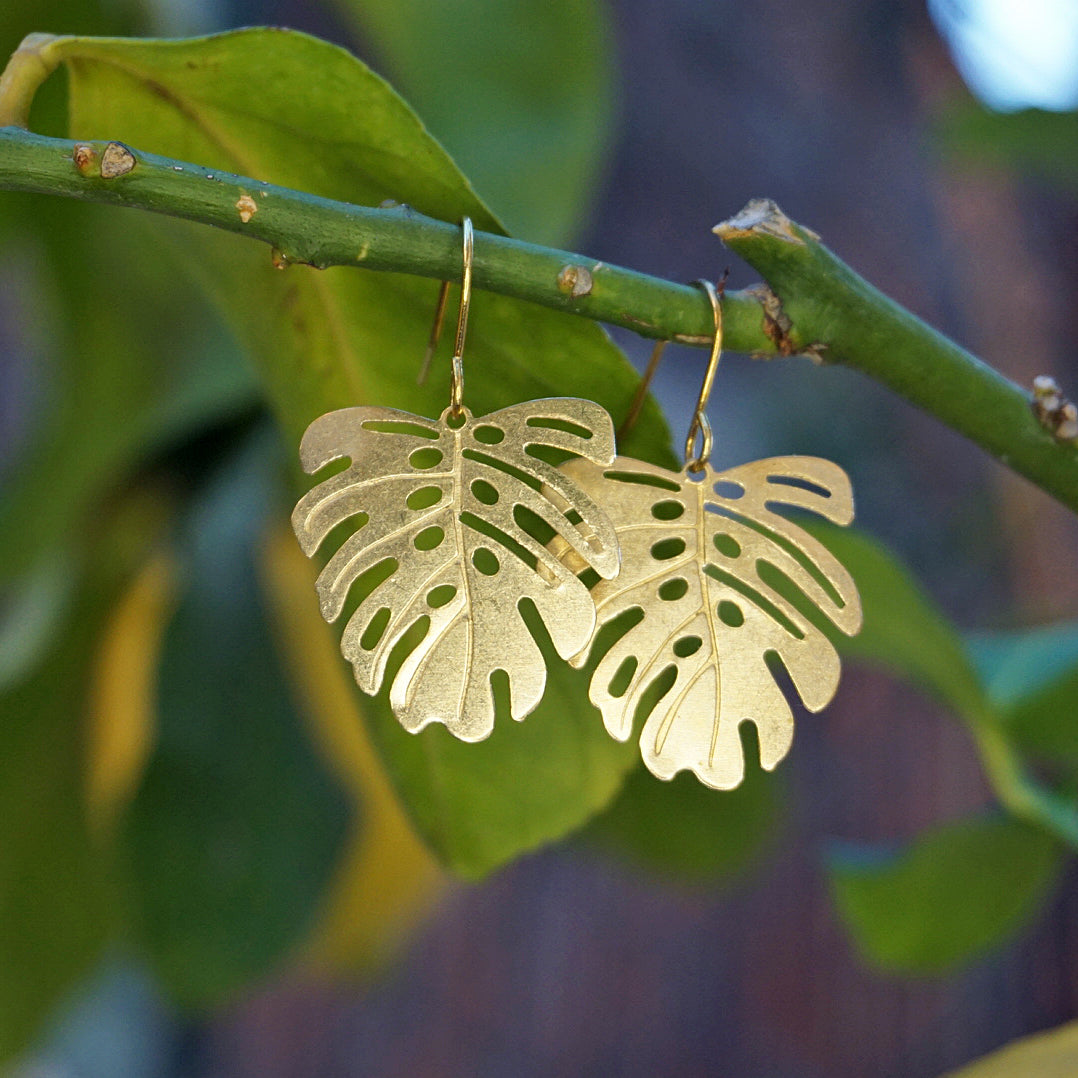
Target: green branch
(321, 232)
(813, 303)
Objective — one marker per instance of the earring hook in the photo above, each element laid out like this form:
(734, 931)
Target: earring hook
(456, 385)
(696, 460)
(456, 389)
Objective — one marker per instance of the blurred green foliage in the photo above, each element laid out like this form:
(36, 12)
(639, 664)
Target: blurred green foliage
(231, 833)
(520, 92)
(950, 895)
(236, 827)
(1039, 143)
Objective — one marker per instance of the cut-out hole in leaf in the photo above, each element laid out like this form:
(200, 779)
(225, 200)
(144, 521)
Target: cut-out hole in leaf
(488, 435)
(375, 629)
(363, 585)
(486, 561)
(429, 538)
(672, 590)
(414, 429)
(651, 697)
(623, 677)
(730, 614)
(440, 596)
(667, 510)
(484, 492)
(533, 524)
(667, 549)
(549, 454)
(644, 480)
(800, 484)
(727, 545)
(554, 423)
(687, 645)
(424, 498)
(425, 458)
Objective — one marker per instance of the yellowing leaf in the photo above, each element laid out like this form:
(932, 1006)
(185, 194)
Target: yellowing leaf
(121, 706)
(1045, 1055)
(443, 510)
(708, 568)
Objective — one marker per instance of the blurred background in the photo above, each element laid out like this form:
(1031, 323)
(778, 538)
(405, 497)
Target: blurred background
(899, 132)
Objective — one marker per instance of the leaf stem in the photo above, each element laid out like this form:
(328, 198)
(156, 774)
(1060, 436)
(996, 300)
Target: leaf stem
(812, 303)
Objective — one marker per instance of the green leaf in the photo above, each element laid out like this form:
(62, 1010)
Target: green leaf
(1031, 678)
(685, 831)
(54, 915)
(57, 907)
(328, 339)
(125, 374)
(952, 894)
(903, 631)
(530, 782)
(1033, 140)
(32, 613)
(1053, 1054)
(118, 365)
(518, 91)
(237, 827)
(325, 340)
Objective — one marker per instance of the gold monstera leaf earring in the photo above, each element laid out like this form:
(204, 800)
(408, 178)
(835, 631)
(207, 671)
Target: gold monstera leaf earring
(442, 544)
(714, 583)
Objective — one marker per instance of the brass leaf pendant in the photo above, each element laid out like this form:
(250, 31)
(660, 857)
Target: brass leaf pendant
(718, 581)
(452, 520)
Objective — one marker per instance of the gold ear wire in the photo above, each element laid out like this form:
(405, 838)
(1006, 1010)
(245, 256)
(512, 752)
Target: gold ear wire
(457, 384)
(696, 461)
(700, 425)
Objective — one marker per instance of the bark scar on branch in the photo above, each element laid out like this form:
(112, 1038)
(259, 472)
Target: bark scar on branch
(777, 323)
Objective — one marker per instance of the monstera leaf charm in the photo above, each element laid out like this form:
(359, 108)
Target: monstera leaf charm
(718, 582)
(451, 519)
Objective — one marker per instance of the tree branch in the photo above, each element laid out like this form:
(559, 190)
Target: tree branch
(813, 303)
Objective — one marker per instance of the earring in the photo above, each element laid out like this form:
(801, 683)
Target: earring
(451, 518)
(716, 586)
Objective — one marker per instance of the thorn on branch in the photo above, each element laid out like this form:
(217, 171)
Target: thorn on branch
(575, 281)
(84, 158)
(247, 207)
(117, 160)
(1053, 410)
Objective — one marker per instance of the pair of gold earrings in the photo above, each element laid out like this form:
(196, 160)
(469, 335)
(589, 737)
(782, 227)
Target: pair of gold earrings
(460, 526)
